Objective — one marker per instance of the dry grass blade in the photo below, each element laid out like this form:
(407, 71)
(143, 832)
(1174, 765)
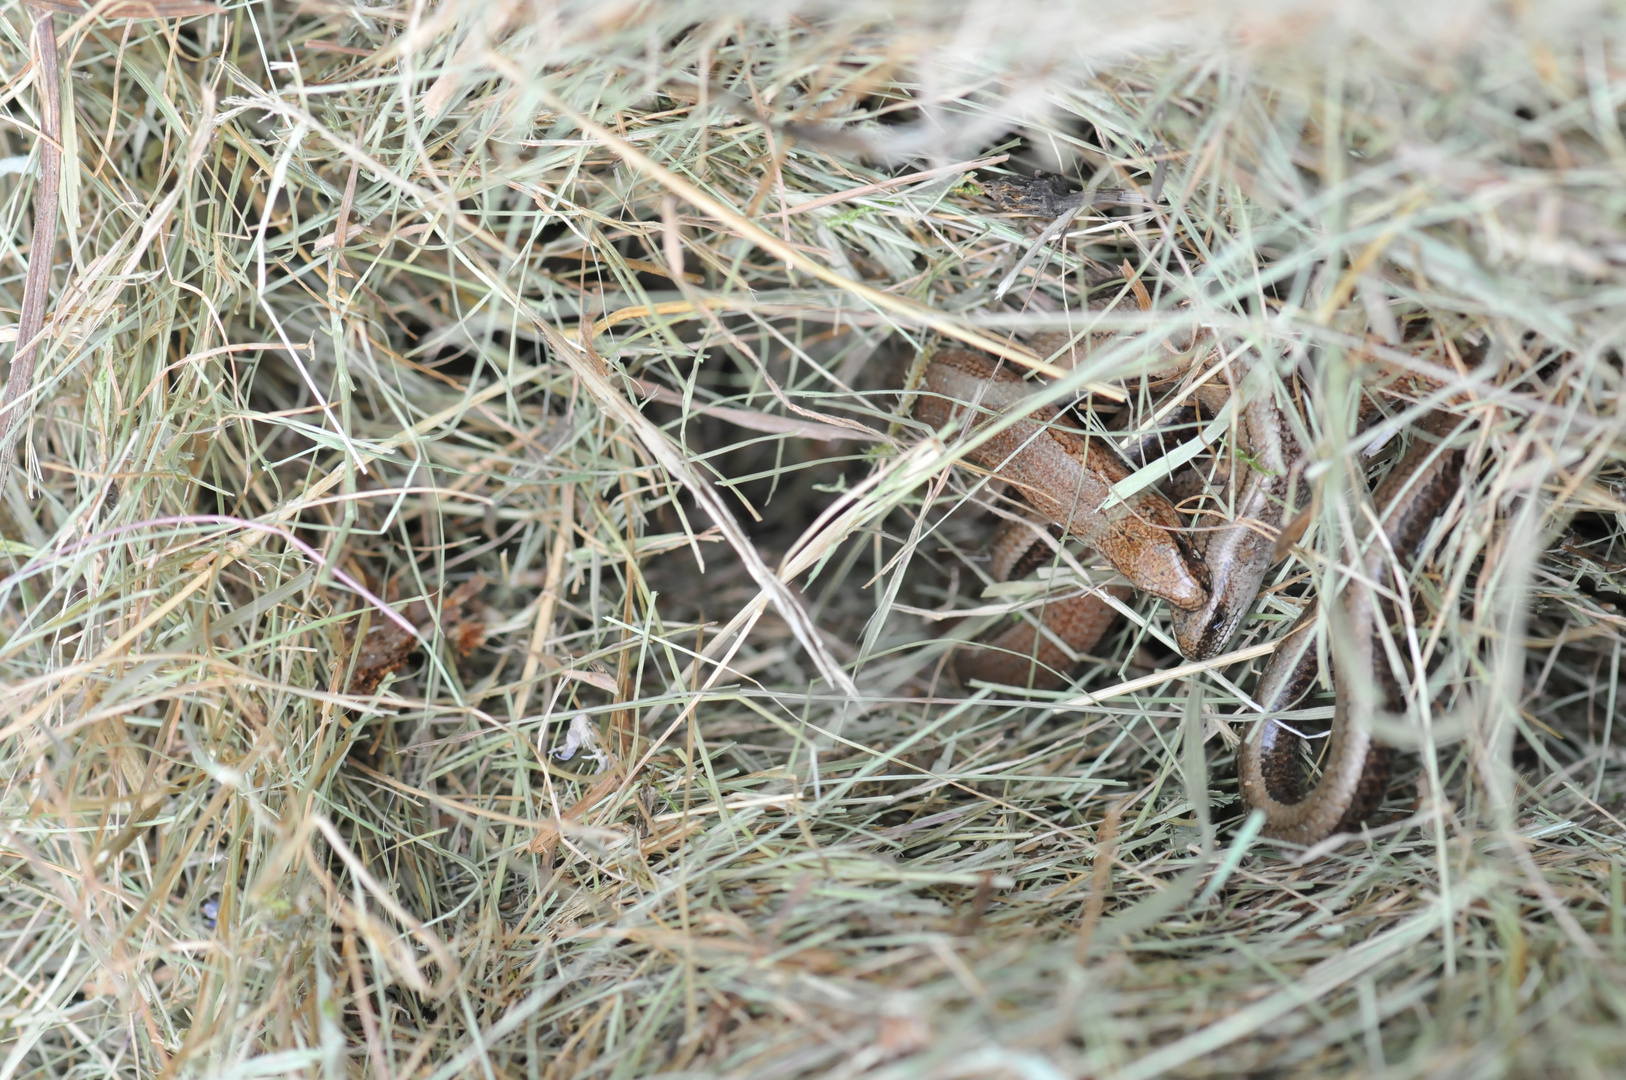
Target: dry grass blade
(884, 300)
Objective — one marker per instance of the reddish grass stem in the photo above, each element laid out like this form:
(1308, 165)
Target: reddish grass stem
(37, 288)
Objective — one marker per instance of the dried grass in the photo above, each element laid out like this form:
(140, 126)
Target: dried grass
(606, 306)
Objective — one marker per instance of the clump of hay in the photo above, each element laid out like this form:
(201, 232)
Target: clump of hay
(475, 601)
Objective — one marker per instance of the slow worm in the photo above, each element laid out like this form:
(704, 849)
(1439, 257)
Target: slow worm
(1066, 475)
(1355, 768)
(1037, 652)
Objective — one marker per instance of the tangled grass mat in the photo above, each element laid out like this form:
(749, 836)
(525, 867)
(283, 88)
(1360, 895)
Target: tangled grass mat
(474, 601)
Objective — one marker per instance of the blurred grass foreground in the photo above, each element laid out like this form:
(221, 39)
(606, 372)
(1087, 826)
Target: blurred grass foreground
(474, 603)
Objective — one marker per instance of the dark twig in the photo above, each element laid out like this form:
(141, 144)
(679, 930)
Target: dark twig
(37, 288)
(1048, 195)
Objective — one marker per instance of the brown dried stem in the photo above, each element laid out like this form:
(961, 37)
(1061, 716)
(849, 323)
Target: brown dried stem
(38, 286)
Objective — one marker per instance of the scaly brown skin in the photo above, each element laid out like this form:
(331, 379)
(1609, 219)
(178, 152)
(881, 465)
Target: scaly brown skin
(1066, 476)
(1355, 771)
(1239, 554)
(1031, 653)
(1025, 655)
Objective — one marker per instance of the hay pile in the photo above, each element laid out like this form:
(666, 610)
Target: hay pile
(474, 601)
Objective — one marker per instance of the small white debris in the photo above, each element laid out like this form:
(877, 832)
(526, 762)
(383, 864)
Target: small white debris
(581, 736)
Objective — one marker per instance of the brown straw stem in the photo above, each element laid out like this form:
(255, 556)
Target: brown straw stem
(37, 288)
